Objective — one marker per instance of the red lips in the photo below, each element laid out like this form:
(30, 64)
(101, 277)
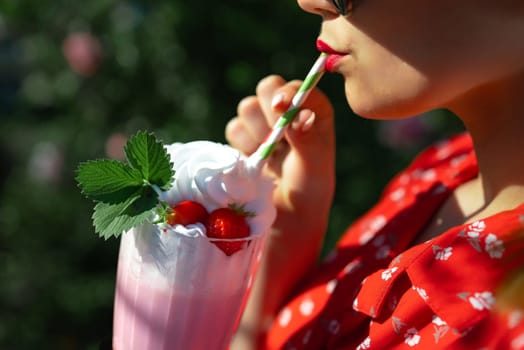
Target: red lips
(333, 55)
(324, 47)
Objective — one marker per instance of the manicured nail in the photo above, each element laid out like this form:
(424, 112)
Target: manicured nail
(303, 121)
(309, 122)
(277, 100)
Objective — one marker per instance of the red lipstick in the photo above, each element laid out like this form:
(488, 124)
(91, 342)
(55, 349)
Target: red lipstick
(333, 55)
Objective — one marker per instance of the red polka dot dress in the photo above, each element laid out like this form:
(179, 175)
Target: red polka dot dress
(378, 291)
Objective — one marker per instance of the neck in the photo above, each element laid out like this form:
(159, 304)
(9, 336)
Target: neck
(494, 116)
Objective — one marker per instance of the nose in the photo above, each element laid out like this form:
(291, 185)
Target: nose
(324, 8)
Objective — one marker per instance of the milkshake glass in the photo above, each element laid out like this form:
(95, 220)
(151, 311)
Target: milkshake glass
(176, 288)
(177, 291)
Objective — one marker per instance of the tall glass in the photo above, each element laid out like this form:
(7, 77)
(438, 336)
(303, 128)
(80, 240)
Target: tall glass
(175, 291)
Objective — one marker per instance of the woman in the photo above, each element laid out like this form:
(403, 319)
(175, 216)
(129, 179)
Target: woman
(422, 267)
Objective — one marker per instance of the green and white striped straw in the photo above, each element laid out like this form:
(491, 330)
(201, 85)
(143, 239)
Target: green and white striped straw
(258, 158)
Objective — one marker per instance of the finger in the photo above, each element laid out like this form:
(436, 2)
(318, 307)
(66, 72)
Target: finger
(252, 117)
(303, 121)
(312, 137)
(312, 125)
(238, 137)
(273, 95)
(284, 95)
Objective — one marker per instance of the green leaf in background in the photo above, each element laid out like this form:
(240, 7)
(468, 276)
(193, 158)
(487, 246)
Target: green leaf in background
(146, 154)
(108, 181)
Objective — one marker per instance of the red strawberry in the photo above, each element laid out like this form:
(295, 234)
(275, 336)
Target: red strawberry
(228, 223)
(187, 212)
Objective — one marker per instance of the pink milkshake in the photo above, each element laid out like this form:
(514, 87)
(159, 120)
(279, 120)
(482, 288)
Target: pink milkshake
(175, 288)
(189, 298)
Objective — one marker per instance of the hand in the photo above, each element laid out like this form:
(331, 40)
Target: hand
(302, 166)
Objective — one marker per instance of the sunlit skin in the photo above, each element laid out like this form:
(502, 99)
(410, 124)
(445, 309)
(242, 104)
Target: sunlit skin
(408, 56)
(398, 58)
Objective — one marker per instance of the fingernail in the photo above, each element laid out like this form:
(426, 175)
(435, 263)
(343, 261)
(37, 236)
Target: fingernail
(277, 100)
(303, 121)
(309, 122)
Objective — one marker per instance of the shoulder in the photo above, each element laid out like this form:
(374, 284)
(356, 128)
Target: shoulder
(438, 162)
(417, 191)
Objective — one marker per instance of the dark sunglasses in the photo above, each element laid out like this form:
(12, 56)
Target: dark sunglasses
(342, 6)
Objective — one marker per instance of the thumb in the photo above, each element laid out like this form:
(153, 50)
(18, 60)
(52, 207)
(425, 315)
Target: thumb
(312, 133)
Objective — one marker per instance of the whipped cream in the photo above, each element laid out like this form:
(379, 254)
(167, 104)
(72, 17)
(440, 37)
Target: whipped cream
(216, 176)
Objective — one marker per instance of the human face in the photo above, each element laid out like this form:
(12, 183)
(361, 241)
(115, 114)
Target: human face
(404, 57)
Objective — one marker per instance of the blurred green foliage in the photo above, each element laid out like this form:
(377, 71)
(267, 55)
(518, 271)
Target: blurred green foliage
(76, 77)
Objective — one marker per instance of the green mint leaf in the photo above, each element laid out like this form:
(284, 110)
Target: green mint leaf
(108, 181)
(113, 219)
(126, 194)
(146, 154)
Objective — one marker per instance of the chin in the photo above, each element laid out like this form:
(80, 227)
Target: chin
(371, 109)
(381, 107)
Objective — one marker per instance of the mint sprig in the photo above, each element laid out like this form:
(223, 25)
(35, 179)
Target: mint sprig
(146, 154)
(126, 193)
(108, 181)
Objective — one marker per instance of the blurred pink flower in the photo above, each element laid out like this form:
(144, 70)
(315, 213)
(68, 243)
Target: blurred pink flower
(46, 163)
(83, 52)
(115, 146)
